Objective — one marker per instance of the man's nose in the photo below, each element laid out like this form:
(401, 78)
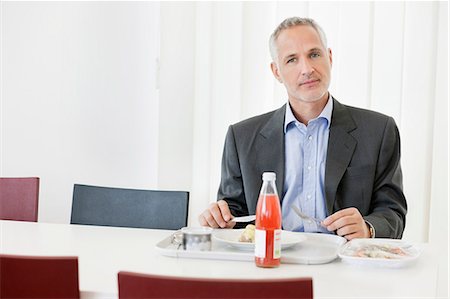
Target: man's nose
(306, 67)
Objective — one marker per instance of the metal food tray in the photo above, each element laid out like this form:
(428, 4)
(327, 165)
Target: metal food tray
(316, 249)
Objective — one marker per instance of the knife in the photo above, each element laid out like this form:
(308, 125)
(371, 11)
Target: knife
(244, 218)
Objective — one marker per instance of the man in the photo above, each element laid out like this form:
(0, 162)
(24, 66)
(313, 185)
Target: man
(333, 162)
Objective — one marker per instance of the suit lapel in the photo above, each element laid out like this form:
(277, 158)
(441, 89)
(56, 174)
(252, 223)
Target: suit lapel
(270, 147)
(271, 150)
(341, 146)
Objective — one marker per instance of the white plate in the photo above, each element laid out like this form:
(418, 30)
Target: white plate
(231, 237)
(316, 249)
(385, 252)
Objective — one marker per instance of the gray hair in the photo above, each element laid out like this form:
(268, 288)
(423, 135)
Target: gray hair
(292, 22)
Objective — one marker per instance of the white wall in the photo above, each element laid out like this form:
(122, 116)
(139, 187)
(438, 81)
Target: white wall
(78, 100)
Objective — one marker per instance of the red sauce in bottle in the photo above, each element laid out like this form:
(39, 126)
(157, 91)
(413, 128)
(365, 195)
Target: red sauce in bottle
(268, 226)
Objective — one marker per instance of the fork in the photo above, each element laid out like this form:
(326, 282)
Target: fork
(306, 217)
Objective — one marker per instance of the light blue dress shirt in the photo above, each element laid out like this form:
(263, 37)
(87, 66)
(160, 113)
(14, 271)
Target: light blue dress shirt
(304, 184)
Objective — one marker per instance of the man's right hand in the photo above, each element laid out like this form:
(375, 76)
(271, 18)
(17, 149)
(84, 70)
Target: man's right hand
(217, 215)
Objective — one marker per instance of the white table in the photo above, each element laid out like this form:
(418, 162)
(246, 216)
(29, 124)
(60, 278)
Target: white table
(103, 251)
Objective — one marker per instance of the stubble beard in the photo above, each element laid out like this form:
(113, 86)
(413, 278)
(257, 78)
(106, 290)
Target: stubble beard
(310, 99)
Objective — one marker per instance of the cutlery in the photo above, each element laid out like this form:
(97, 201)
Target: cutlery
(244, 218)
(306, 217)
(177, 239)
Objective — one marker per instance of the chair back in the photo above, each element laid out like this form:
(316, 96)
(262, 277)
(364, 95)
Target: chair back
(106, 206)
(38, 277)
(19, 199)
(135, 285)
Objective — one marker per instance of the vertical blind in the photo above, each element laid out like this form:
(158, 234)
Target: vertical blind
(385, 58)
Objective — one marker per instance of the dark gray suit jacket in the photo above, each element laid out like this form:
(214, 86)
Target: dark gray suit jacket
(362, 166)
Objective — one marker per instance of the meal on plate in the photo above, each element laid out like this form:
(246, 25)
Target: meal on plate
(248, 235)
(379, 251)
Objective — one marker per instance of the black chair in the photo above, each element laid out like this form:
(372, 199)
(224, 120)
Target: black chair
(106, 206)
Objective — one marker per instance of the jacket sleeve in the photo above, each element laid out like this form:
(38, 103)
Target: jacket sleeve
(388, 204)
(231, 185)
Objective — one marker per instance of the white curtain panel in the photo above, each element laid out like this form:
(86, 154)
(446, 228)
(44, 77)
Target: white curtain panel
(387, 56)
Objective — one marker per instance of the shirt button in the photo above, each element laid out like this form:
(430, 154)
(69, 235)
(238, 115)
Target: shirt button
(309, 167)
(310, 137)
(308, 196)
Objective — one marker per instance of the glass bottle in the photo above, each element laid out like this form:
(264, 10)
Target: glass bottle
(268, 224)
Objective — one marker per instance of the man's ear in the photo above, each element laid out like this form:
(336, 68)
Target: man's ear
(275, 72)
(330, 55)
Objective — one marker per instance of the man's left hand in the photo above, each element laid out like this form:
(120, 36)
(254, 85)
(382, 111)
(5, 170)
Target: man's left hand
(347, 223)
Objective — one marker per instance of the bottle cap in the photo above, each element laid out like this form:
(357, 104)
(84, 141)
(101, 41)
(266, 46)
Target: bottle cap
(269, 176)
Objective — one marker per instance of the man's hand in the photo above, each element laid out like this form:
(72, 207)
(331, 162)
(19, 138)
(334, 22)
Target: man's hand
(347, 223)
(217, 215)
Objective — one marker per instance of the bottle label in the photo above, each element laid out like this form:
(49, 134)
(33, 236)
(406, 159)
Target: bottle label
(260, 243)
(277, 244)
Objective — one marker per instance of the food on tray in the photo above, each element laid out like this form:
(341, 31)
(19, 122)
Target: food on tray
(248, 235)
(378, 251)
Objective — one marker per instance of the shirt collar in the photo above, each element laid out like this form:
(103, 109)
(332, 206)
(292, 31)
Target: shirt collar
(326, 114)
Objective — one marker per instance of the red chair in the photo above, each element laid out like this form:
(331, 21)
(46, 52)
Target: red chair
(38, 277)
(134, 285)
(19, 199)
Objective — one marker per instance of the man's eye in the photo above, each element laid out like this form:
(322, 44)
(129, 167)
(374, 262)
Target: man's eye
(315, 55)
(291, 60)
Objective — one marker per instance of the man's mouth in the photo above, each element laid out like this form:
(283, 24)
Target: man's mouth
(309, 82)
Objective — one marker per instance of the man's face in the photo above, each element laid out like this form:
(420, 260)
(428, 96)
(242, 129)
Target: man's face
(304, 65)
